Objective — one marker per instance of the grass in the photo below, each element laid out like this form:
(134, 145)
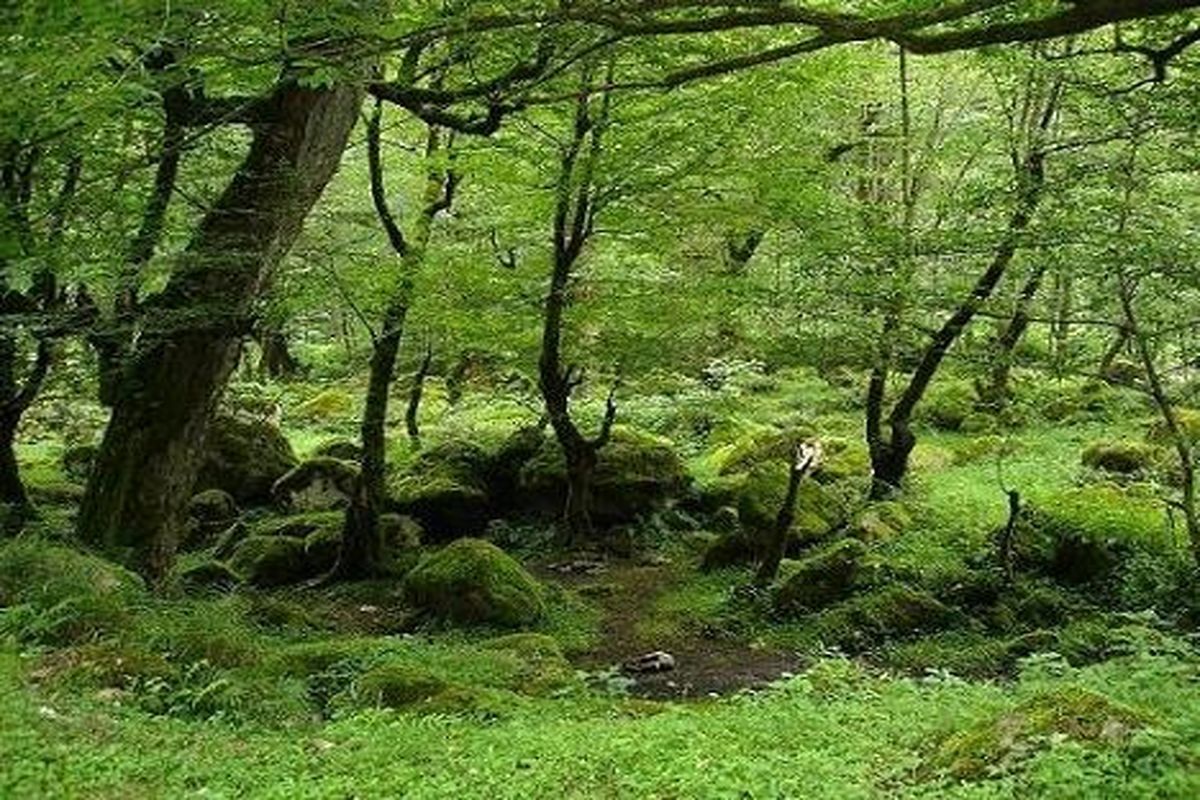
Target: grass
(274, 694)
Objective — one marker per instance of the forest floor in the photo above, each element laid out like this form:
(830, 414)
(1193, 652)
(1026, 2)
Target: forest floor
(626, 593)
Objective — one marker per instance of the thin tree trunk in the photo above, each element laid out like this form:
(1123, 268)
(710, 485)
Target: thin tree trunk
(276, 360)
(414, 397)
(995, 391)
(147, 462)
(361, 551)
(804, 460)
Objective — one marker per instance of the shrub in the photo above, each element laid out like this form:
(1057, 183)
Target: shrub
(947, 404)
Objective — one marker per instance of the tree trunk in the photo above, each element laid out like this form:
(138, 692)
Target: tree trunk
(804, 460)
(276, 360)
(889, 457)
(16, 400)
(147, 463)
(995, 391)
(577, 511)
(414, 397)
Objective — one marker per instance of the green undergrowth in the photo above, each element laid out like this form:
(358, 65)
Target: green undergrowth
(1126, 728)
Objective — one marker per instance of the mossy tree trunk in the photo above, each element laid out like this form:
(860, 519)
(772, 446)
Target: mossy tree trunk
(361, 551)
(191, 333)
(802, 463)
(576, 205)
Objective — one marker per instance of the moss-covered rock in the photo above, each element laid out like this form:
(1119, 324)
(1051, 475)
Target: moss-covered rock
(321, 548)
(544, 668)
(892, 612)
(1188, 419)
(880, 522)
(271, 560)
(1084, 534)
(728, 549)
(341, 449)
(820, 579)
(208, 575)
(473, 581)
(56, 595)
(636, 473)
(329, 405)
(400, 532)
(209, 513)
(1122, 457)
(213, 506)
(447, 490)
(318, 484)
(1080, 715)
(244, 457)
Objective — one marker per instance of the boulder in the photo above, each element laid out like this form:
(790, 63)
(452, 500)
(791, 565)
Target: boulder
(879, 522)
(447, 490)
(820, 579)
(208, 575)
(244, 457)
(472, 581)
(636, 473)
(343, 449)
(208, 514)
(1071, 713)
(1121, 457)
(266, 561)
(318, 484)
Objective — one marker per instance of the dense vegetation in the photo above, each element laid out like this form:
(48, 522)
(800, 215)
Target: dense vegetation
(599, 399)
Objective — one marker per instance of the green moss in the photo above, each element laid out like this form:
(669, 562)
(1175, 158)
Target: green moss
(1123, 457)
(636, 472)
(108, 664)
(1074, 713)
(947, 404)
(473, 581)
(208, 575)
(244, 457)
(820, 579)
(330, 405)
(1188, 419)
(880, 522)
(54, 594)
(893, 612)
(270, 560)
(446, 489)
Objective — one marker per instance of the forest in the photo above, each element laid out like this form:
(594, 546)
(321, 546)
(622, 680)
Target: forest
(600, 399)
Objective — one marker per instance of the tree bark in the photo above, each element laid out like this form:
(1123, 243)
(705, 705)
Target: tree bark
(147, 463)
(414, 397)
(276, 360)
(995, 391)
(804, 460)
(361, 552)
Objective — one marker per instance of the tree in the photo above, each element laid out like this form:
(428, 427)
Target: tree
(360, 554)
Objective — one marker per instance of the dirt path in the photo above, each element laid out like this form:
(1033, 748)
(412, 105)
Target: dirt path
(626, 593)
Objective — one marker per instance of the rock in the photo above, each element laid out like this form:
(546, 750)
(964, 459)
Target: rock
(230, 539)
(507, 462)
(330, 405)
(636, 473)
(213, 506)
(657, 661)
(727, 550)
(73, 595)
(1073, 713)
(880, 522)
(820, 579)
(266, 561)
(342, 449)
(321, 549)
(947, 404)
(447, 490)
(400, 532)
(208, 514)
(472, 581)
(244, 457)
(208, 575)
(77, 461)
(1124, 458)
(894, 611)
(318, 484)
